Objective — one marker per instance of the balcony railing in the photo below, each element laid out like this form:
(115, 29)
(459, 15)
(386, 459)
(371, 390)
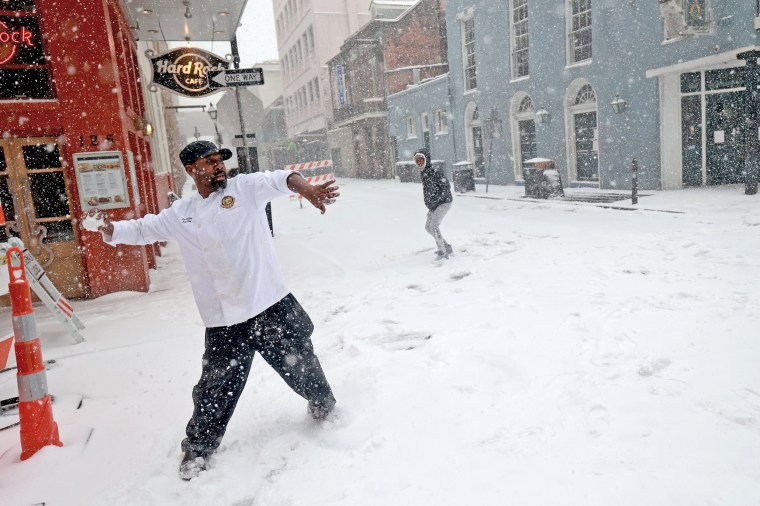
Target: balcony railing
(365, 106)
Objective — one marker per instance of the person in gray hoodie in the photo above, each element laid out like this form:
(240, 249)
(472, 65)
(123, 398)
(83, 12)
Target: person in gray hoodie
(436, 191)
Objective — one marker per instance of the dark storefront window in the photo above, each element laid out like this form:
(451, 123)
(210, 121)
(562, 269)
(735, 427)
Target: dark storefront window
(24, 67)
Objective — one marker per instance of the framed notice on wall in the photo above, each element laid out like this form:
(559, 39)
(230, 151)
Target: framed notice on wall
(101, 180)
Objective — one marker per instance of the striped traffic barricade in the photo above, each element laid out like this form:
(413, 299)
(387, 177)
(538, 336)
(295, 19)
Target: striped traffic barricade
(37, 427)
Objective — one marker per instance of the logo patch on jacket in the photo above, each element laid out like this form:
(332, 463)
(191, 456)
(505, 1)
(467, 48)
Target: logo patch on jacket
(228, 202)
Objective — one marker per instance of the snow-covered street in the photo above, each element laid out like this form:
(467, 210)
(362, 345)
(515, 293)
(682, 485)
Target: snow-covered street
(567, 354)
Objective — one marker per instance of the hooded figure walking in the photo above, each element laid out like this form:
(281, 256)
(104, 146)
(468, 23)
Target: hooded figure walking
(437, 194)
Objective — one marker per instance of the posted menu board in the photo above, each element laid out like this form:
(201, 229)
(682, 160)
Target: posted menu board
(101, 180)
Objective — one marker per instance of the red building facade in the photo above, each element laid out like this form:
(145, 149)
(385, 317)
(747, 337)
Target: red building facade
(70, 88)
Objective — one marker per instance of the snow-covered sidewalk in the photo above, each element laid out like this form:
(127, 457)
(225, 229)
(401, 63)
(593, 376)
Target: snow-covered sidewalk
(566, 354)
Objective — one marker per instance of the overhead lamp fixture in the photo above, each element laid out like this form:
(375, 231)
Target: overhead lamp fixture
(188, 14)
(618, 104)
(147, 11)
(152, 31)
(543, 116)
(224, 13)
(218, 32)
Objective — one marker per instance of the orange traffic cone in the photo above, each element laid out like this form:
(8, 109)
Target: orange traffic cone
(38, 429)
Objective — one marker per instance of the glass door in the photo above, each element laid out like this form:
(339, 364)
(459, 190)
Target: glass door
(725, 143)
(586, 154)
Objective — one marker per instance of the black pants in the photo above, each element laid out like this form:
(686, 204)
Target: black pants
(282, 334)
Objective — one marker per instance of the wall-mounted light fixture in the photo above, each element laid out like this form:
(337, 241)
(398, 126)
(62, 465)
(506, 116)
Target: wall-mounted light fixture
(618, 104)
(147, 129)
(144, 126)
(188, 14)
(543, 116)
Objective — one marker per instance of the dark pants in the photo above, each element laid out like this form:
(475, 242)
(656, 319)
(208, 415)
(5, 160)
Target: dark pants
(282, 334)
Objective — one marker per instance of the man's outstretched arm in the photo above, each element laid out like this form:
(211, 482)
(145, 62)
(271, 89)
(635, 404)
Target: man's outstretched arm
(319, 195)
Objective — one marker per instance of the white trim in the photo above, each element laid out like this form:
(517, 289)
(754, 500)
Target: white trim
(462, 34)
(513, 40)
(570, 111)
(757, 22)
(569, 48)
(469, 124)
(514, 121)
(671, 156)
(722, 60)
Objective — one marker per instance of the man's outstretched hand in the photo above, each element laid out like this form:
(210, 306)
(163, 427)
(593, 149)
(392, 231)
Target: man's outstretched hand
(96, 220)
(319, 195)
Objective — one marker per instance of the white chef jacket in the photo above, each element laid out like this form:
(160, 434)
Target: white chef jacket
(225, 243)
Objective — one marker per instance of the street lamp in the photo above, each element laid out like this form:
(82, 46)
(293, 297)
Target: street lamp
(750, 124)
(213, 112)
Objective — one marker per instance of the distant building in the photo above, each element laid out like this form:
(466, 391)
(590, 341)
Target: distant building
(405, 44)
(592, 85)
(309, 32)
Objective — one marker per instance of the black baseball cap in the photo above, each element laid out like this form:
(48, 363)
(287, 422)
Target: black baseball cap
(201, 149)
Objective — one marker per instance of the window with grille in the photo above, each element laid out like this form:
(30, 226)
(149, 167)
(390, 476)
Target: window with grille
(468, 40)
(411, 127)
(579, 31)
(519, 31)
(441, 121)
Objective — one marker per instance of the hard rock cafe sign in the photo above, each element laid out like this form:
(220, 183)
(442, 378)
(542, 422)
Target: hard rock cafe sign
(184, 71)
(11, 39)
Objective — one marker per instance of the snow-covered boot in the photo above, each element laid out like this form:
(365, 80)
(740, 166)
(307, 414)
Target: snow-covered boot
(191, 466)
(319, 411)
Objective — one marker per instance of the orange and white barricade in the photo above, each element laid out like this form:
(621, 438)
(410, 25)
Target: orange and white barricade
(316, 172)
(37, 427)
(319, 164)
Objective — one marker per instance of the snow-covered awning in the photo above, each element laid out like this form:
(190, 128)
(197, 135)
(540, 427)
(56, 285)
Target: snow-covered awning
(184, 20)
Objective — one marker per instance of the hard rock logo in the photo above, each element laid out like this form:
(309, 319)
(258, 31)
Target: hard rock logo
(185, 71)
(11, 39)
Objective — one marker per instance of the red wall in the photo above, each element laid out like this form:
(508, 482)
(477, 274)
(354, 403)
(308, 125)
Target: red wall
(94, 65)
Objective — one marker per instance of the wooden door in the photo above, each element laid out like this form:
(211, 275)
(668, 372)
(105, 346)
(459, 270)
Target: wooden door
(36, 199)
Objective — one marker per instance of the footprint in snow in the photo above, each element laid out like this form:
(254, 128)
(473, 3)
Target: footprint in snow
(598, 419)
(654, 367)
(402, 341)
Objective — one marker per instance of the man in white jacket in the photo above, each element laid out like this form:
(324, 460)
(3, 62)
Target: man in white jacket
(225, 242)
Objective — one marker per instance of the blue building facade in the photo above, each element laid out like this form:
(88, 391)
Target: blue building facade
(593, 85)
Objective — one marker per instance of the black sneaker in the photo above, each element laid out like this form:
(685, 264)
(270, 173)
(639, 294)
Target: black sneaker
(191, 466)
(319, 411)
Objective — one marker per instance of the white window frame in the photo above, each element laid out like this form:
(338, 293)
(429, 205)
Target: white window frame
(577, 22)
(518, 20)
(469, 72)
(425, 120)
(411, 127)
(441, 122)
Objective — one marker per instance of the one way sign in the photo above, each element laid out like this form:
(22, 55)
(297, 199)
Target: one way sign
(235, 77)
